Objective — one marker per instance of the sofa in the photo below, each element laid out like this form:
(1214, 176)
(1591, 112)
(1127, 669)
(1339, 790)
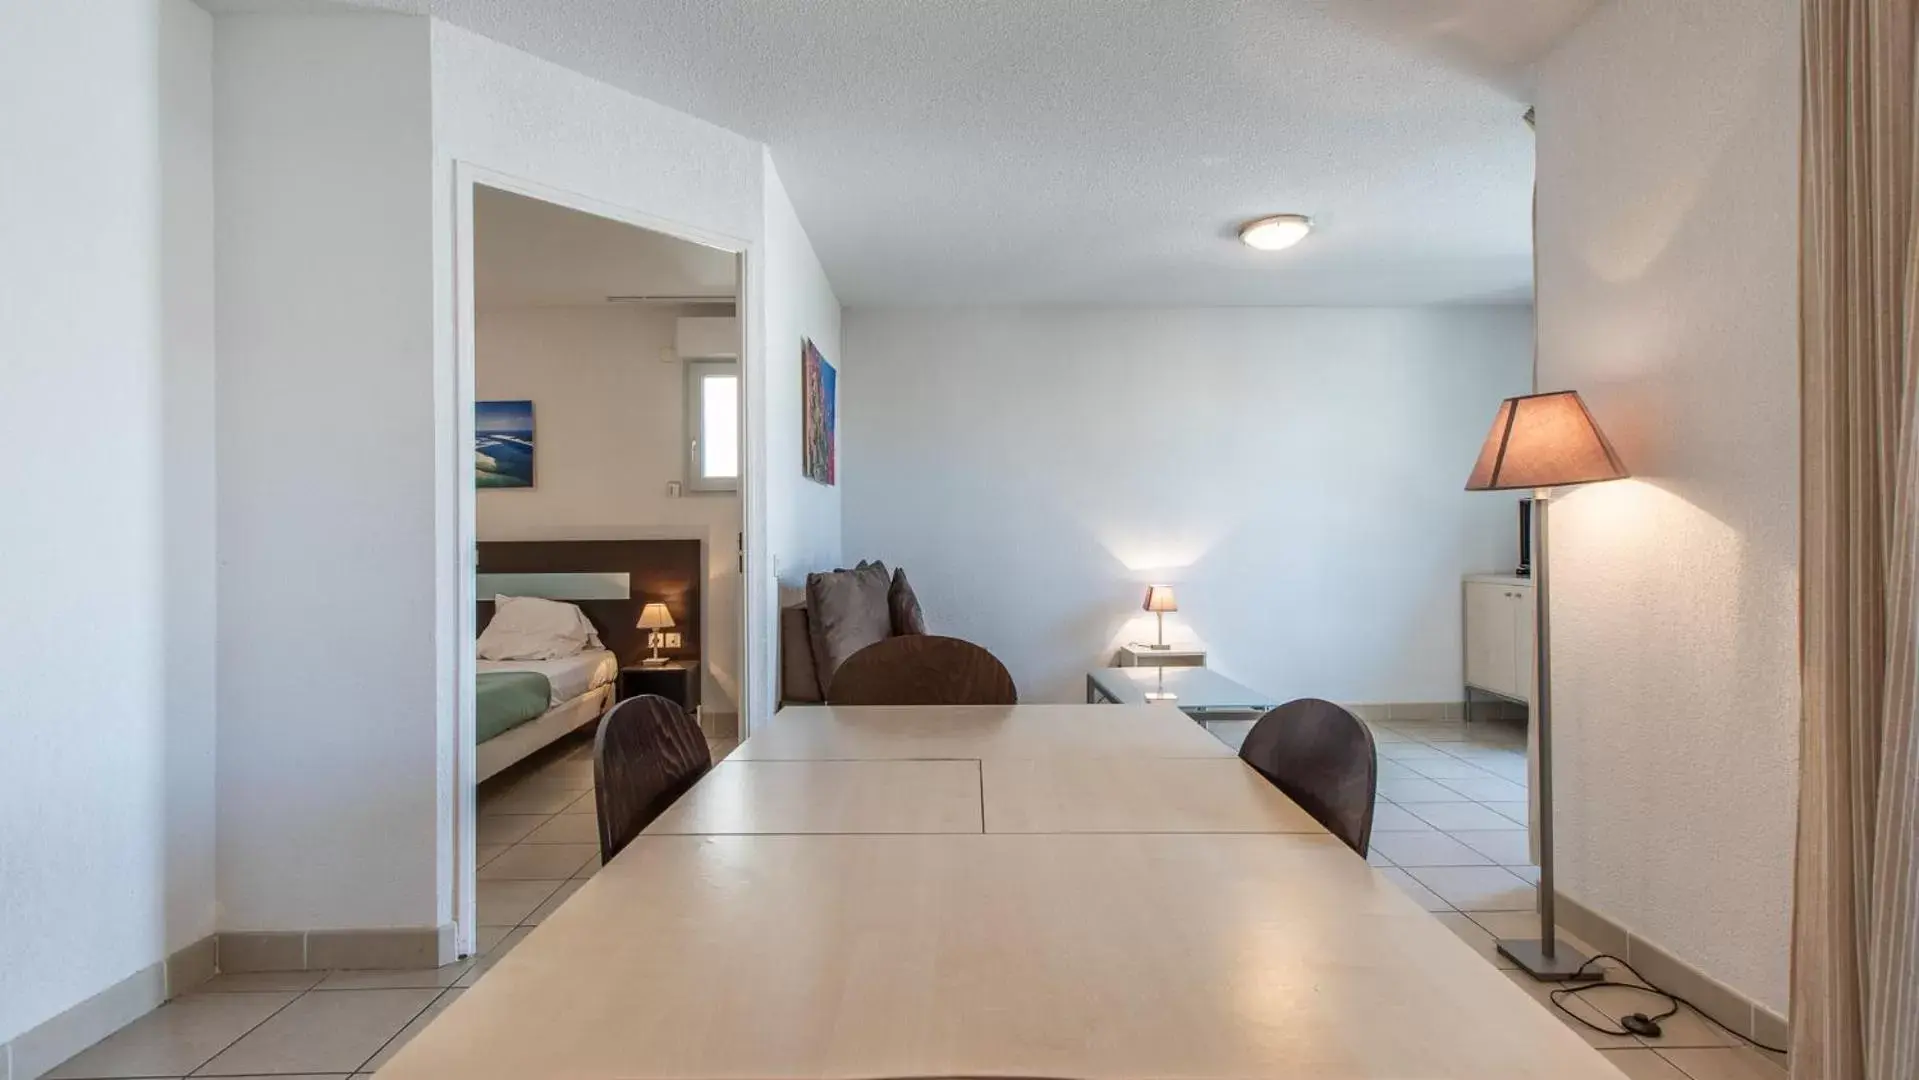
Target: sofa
(845, 610)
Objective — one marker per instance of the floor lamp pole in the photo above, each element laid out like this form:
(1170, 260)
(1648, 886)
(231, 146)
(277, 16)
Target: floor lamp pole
(1545, 959)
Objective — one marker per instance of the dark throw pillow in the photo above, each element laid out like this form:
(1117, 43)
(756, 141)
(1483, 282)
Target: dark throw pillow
(847, 611)
(904, 607)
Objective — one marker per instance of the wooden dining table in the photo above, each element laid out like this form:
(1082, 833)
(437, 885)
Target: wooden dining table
(1096, 892)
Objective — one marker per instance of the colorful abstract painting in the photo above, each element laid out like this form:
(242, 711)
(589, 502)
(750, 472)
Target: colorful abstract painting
(503, 444)
(819, 425)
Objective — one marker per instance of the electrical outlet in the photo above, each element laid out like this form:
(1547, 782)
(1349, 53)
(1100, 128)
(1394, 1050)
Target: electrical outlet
(672, 641)
(673, 489)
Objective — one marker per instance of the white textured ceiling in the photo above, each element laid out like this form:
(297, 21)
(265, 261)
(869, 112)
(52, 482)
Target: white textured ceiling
(1102, 151)
(529, 253)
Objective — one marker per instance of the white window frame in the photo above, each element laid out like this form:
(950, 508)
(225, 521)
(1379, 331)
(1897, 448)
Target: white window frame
(697, 371)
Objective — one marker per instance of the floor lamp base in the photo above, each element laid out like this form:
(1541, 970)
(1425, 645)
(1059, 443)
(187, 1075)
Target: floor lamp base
(1563, 966)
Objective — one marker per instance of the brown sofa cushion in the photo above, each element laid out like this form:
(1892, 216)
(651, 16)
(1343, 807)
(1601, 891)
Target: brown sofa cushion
(847, 611)
(799, 679)
(904, 607)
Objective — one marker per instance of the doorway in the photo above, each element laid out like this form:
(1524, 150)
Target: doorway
(603, 370)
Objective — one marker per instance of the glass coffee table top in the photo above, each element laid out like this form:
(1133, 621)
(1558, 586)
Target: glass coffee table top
(1191, 689)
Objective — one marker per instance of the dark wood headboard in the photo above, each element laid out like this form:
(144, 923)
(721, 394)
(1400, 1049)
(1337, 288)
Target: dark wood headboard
(667, 571)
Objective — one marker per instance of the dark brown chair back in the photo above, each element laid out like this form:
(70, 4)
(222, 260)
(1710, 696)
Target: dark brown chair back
(1322, 757)
(920, 669)
(645, 755)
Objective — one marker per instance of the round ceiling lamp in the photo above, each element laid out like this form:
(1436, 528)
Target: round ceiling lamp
(1275, 233)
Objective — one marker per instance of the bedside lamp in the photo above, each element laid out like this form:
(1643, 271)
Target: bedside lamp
(1544, 441)
(1159, 601)
(654, 618)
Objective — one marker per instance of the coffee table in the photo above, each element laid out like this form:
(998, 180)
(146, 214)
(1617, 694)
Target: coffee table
(1197, 692)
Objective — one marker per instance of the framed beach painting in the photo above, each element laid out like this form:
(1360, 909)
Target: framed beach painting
(818, 425)
(503, 444)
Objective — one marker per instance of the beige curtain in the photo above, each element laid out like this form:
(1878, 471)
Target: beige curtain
(1855, 980)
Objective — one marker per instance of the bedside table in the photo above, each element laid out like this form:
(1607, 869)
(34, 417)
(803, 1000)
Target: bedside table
(1140, 656)
(678, 681)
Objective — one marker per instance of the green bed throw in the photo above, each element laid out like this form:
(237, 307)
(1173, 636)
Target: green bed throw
(509, 699)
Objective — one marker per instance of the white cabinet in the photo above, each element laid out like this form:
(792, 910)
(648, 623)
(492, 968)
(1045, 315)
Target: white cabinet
(1499, 635)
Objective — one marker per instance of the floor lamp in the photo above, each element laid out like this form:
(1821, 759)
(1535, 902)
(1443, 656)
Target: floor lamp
(1543, 441)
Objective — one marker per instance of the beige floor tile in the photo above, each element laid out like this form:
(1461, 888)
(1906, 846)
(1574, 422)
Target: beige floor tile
(1540, 992)
(1507, 847)
(508, 903)
(1685, 1029)
(294, 1076)
(330, 1032)
(521, 799)
(1412, 753)
(1421, 895)
(540, 862)
(1374, 858)
(1477, 888)
(1388, 817)
(573, 775)
(412, 979)
(1418, 789)
(488, 938)
(486, 853)
(1724, 1064)
(1524, 926)
(1447, 768)
(1508, 770)
(1231, 732)
(552, 903)
(1530, 873)
(591, 868)
(493, 955)
(1475, 935)
(582, 804)
(1488, 789)
(566, 829)
(418, 1025)
(1643, 1065)
(1458, 816)
(259, 982)
(500, 830)
(1387, 769)
(1426, 849)
(175, 1038)
(1512, 811)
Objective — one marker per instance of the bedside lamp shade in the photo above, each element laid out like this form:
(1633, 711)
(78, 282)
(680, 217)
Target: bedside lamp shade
(655, 617)
(1160, 598)
(1541, 441)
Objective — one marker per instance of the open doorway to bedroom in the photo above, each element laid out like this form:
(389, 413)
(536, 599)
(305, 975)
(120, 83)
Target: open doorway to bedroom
(608, 514)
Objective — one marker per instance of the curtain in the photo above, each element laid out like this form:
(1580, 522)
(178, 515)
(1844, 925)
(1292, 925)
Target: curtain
(1855, 978)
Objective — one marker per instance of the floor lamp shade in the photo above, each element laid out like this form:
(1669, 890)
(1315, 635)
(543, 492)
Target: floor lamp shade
(1544, 440)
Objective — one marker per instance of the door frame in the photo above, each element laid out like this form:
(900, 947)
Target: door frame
(752, 493)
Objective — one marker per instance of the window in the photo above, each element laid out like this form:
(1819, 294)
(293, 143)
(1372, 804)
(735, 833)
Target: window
(713, 425)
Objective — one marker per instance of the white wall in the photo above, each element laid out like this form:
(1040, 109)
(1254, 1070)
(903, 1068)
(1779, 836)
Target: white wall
(612, 433)
(1668, 149)
(328, 541)
(106, 365)
(803, 517)
(1296, 473)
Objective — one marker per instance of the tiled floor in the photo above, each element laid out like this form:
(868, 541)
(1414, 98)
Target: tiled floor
(537, 843)
(1449, 827)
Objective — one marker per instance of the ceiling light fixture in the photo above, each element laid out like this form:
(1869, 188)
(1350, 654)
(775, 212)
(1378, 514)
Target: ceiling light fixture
(1275, 233)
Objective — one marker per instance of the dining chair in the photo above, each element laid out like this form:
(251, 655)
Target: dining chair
(646, 754)
(1323, 758)
(922, 669)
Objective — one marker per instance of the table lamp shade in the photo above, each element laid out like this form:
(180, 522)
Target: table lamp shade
(655, 617)
(1544, 440)
(1160, 598)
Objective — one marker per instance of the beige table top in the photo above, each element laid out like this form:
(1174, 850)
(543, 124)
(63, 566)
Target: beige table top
(1111, 957)
(1134, 795)
(1199, 955)
(829, 797)
(979, 732)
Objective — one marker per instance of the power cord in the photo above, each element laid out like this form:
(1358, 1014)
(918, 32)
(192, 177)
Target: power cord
(1639, 1023)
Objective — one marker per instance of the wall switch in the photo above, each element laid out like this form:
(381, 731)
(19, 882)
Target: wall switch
(672, 640)
(673, 489)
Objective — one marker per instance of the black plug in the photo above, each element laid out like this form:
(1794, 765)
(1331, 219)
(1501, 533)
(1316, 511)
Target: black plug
(1640, 1024)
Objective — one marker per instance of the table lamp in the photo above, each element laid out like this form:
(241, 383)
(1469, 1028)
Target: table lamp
(1543, 441)
(654, 618)
(1159, 601)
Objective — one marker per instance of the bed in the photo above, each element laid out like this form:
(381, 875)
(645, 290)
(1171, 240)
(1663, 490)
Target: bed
(527, 704)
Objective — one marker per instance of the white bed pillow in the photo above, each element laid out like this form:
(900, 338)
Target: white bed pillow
(530, 628)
